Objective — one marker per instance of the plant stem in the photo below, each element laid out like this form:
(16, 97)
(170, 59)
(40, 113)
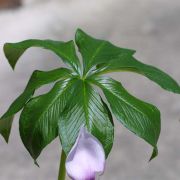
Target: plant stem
(62, 169)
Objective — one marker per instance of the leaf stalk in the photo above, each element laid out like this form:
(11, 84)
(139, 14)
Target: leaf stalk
(62, 168)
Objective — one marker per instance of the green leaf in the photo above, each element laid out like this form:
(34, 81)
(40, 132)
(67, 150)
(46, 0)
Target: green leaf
(37, 79)
(38, 123)
(5, 127)
(141, 118)
(110, 58)
(95, 51)
(65, 50)
(85, 109)
(129, 63)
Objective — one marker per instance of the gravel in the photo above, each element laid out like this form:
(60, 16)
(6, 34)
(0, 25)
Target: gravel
(150, 26)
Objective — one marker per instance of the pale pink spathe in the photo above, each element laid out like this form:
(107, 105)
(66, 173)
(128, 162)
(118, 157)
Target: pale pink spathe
(86, 158)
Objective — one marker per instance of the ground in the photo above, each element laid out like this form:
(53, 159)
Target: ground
(152, 27)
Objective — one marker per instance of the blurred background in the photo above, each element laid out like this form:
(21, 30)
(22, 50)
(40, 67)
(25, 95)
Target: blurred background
(152, 27)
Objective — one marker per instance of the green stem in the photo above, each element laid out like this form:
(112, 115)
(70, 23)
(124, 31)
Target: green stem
(62, 169)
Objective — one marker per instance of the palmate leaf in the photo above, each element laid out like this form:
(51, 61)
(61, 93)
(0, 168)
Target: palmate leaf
(65, 50)
(73, 102)
(38, 123)
(38, 78)
(86, 109)
(141, 118)
(110, 58)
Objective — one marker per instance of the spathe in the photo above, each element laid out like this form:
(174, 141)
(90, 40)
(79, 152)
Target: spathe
(86, 158)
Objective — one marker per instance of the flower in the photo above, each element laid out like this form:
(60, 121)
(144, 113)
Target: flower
(86, 158)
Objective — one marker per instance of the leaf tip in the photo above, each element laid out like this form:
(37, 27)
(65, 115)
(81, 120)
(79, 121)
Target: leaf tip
(79, 31)
(36, 163)
(154, 154)
(6, 137)
(78, 34)
(5, 127)
(8, 48)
